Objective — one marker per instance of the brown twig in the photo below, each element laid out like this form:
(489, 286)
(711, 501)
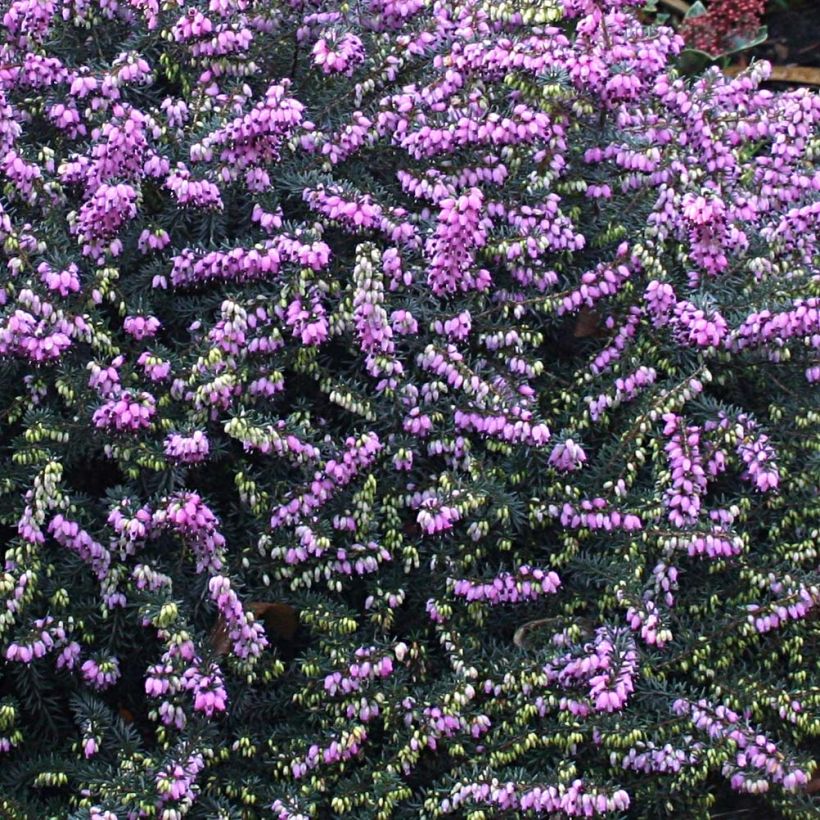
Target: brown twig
(800, 74)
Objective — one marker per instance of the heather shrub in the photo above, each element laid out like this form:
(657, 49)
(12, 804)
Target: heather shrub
(407, 411)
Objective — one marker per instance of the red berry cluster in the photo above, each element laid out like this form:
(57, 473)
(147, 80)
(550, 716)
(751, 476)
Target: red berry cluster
(725, 20)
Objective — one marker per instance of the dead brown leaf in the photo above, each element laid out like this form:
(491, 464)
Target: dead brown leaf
(280, 620)
(126, 714)
(219, 636)
(587, 323)
(520, 636)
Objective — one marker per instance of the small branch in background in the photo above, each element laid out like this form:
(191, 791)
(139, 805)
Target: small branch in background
(802, 75)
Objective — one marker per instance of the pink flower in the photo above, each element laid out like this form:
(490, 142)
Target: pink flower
(338, 55)
(567, 456)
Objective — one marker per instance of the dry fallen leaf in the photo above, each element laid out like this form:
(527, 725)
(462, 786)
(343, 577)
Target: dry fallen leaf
(587, 324)
(519, 638)
(219, 636)
(280, 620)
(126, 714)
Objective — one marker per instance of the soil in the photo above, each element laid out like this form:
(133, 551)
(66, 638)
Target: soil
(794, 35)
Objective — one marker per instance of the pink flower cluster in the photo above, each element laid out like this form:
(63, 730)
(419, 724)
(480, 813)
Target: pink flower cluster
(360, 559)
(186, 514)
(626, 389)
(255, 138)
(198, 193)
(37, 331)
(69, 534)
(369, 665)
(181, 670)
(757, 455)
(154, 367)
(575, 800)
(133, 525)
(274, 438)
(538, 229)
(64, 282)
(309, 546)
(360, 454)
(718, 543)
(691, 325)
(695, 327)
(191, 449)
(461, 229)
(604, 360)
(594, 514)
(106, 379)
(284, 809)
(526, 584)
(686, 466)
(15, 596)
(246, 634)
(649, 757)
(308, 324)
(101, 217)
(348, 746)
(435, 513)
(519, 427)
(567, 456)
(178, 781)
(46, 634)
(794, 607)
(340, 55)
(101, 672)
(24, 175)
(361, 213)
(128, 412)
(141, 327)
(240, 265)
(154, 240)
(604, 280)
(757, 762)
(207, 687)
(760, 460)
(146, 578)
(69, 657)
(647, 615)
(606, 668)
(440, 723)
(457, 327)
(773, 331)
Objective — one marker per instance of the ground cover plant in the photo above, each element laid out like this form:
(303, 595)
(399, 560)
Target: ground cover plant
(408, 410)
(725, 26)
